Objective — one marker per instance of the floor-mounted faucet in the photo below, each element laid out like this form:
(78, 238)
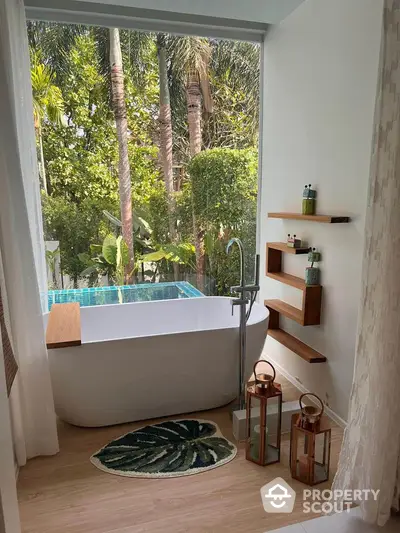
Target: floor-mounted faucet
(247, 295)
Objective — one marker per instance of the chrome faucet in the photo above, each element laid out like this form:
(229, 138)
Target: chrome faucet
(242, 290)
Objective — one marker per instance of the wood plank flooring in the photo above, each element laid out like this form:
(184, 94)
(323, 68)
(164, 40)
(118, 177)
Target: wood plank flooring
(67, 494)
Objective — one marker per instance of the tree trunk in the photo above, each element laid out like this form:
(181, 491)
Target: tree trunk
(124, 176)
(200, 251)
(193, 93)
(41, 155)
(193, 96)
(166, 141)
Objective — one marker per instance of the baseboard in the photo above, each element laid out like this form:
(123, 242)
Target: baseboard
(331, 414)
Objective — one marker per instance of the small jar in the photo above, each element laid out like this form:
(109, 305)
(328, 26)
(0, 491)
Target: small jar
(309, 201)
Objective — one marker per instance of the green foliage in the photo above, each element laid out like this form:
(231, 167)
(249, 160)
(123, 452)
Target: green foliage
(81, 158)
(234, 123)
(224, 191)
(234, 72)
(224, 186)
(47, 97)
(76, 227)
(182, 253)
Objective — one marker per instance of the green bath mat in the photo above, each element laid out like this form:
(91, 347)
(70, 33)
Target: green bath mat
(169, 449)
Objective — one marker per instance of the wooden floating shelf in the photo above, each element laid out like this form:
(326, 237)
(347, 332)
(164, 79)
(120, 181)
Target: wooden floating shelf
(325, 219)
(288, 279)
(296, 346)
(283, 247)
(282, 308)
(308, 315)
(64, 326)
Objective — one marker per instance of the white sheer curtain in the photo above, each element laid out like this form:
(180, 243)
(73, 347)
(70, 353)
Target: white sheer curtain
(370, 457)
(22, 270)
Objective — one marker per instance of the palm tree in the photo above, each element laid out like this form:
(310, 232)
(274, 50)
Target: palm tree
(191, 58)
(48, 105)
(166, 139)
(235, 71)
(53, 42)
(124, 175)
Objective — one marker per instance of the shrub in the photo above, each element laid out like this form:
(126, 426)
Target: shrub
(224, 191)
(76, 227)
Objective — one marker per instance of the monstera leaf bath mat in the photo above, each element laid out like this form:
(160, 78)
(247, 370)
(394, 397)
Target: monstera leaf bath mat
(169, 449)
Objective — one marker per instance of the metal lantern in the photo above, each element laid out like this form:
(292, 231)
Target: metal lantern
(264, 419)
(310, 444)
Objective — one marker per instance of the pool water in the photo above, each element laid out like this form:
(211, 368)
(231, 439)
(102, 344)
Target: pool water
(125, 294)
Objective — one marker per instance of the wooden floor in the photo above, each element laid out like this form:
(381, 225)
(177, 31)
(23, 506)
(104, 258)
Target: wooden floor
(67, 494)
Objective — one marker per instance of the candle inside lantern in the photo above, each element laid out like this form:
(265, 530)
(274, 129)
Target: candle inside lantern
(256, 440)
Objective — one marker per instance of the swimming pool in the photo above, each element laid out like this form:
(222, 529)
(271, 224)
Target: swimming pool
(143, 292)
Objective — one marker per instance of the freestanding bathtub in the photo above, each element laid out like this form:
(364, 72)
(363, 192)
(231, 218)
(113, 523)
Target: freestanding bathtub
(152, 359)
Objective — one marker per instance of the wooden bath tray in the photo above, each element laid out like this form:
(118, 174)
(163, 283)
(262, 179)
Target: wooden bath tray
(64, 326)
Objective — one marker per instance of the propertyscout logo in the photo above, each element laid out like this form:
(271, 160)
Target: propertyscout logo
(279, 497)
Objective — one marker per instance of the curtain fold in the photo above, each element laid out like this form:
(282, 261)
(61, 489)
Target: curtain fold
(22, 260)
(10, 363)
(370, 456)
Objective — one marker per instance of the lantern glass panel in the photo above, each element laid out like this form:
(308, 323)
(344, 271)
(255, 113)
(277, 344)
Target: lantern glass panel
(321, 462)
(255, 434)
(304, 444)
(273, 430)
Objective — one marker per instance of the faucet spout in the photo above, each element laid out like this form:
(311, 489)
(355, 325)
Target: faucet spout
(238, 242)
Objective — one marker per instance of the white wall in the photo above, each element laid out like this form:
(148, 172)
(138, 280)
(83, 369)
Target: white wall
(321, 67)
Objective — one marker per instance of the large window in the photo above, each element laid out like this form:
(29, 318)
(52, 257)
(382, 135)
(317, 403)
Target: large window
(148, 153)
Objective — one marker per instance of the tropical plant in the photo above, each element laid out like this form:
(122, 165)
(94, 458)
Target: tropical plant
(52, 257)
(237, 64)
(47, 105)
(53, 43)
(111, 259)
(182, 253)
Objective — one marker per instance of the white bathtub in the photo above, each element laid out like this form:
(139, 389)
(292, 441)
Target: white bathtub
(153, 359)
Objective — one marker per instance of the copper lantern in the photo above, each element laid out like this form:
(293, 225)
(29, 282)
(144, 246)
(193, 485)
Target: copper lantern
(264, 419)
(310, 444)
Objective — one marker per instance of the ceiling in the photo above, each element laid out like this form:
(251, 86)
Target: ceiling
(246, 20)
(264, 11)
